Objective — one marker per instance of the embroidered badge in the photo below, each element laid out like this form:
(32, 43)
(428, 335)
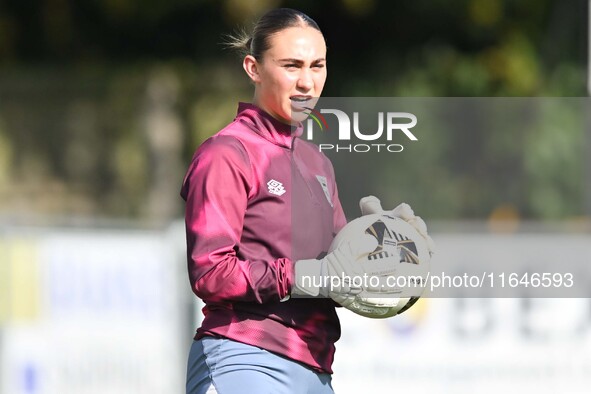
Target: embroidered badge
(324, 184)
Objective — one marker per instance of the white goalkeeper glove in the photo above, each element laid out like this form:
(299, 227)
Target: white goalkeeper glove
(371, 204)
(339, 275)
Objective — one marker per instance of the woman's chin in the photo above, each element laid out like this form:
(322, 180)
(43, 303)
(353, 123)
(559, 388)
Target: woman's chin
(299, 113)
(298, 117)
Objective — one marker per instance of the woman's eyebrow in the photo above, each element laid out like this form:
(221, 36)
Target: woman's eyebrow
(299, 61)
(290, 60)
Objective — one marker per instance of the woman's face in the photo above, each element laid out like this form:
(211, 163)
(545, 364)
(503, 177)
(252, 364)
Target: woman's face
(291, 74)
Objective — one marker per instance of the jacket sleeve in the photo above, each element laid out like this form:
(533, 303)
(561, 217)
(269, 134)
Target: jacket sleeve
(216, 190)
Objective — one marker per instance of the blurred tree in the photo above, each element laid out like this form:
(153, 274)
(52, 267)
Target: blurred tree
(76, 79)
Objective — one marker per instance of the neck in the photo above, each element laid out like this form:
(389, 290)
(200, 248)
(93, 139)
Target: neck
(256, 101)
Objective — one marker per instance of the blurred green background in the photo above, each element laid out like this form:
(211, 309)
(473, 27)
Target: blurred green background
(103, 102)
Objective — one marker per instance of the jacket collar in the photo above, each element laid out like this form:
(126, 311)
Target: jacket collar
(267, 126)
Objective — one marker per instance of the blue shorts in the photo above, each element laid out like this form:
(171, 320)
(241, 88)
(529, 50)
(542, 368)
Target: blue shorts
(223, 366)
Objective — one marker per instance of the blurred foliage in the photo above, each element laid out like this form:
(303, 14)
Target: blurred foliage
(474, 157)
(87, 87)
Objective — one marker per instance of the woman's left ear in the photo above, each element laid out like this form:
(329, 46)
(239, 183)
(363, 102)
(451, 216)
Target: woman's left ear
(250, 65)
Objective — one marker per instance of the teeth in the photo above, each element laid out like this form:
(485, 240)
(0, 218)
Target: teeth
(300, 99)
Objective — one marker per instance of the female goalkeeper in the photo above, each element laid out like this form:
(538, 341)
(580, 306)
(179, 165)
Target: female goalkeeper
(262, 208)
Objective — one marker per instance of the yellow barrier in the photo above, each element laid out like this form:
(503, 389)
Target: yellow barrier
(19, 280)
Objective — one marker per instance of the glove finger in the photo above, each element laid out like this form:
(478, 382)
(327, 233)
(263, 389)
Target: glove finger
(419, 224)
(369, 205)
(344, 295)
(378, 301)
(380, 285)
(350, 285)
(403, 211)
(394, 292)
(343, 300)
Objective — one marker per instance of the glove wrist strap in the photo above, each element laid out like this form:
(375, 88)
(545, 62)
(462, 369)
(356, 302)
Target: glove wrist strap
(307, 277)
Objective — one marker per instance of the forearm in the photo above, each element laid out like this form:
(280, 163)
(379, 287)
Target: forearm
(228, 279)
